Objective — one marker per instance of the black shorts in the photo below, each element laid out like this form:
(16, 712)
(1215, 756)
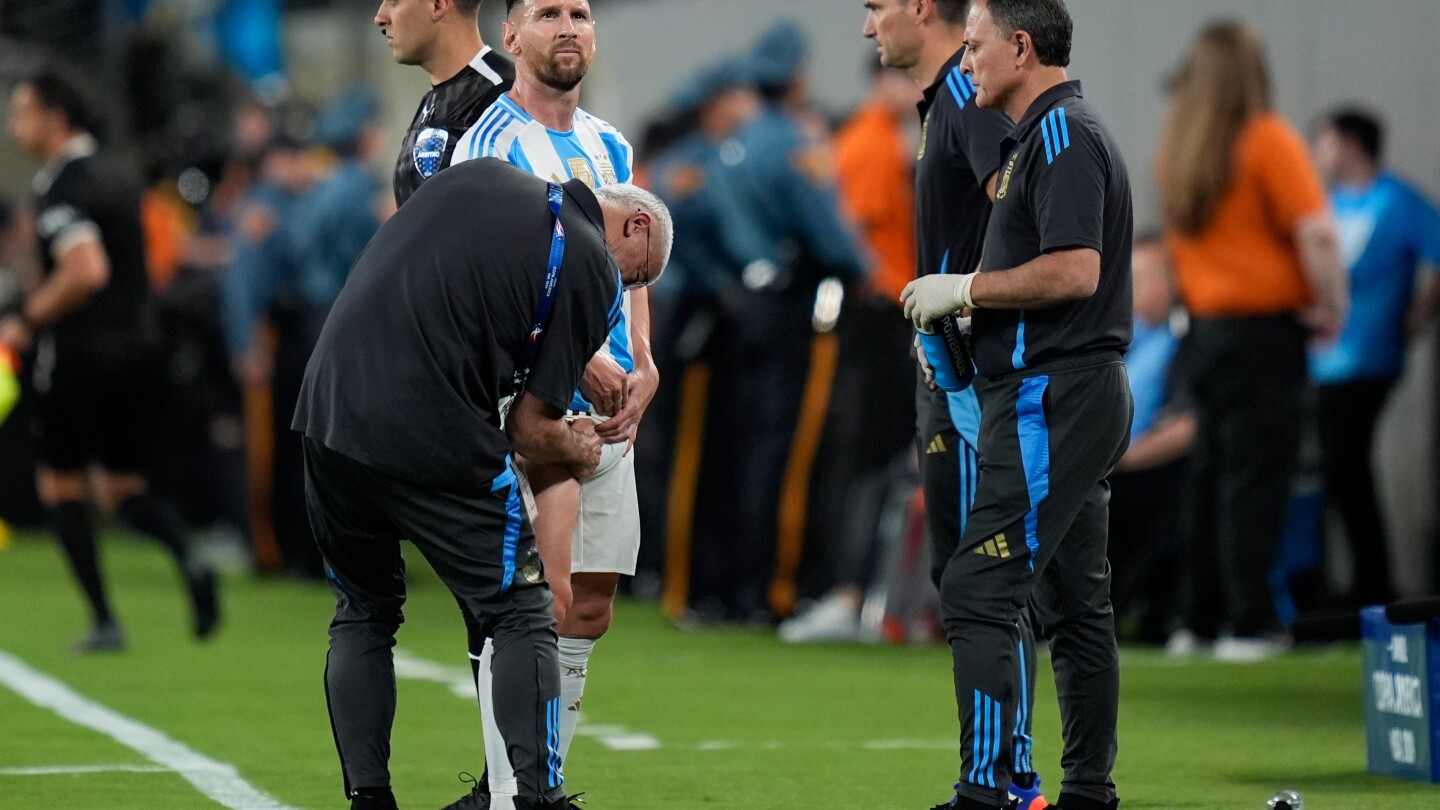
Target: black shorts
(481, 546)
(96, 406)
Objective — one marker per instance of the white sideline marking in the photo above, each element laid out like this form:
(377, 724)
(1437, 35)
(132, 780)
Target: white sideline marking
(616, 737)
(461, 681)
(217, 780)
(61, 770)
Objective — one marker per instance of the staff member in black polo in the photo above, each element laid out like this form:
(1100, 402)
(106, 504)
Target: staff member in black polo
(1052, 316)
(401, 410)
(956, 170)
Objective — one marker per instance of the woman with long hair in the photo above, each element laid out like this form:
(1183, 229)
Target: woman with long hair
(1257, 261)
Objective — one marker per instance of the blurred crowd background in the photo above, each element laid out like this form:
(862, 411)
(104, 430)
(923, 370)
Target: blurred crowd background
(778, 463)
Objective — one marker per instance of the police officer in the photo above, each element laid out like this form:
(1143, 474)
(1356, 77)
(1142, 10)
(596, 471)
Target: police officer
(260, 294)
(97, 354)
(718, 237)
(466, 76)
(784, 178)
(1052, 316)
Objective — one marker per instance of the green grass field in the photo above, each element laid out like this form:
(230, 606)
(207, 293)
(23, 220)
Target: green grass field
(719, 718)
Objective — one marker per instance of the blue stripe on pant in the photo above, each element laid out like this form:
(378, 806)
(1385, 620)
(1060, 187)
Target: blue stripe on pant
(552, 744)
(513, 521)
(1034, 434)
(1021, 737)
(985, 740)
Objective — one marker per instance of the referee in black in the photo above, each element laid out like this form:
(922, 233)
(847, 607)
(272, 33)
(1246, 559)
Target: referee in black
(1052, 316)
(97, 349)
(401, 410)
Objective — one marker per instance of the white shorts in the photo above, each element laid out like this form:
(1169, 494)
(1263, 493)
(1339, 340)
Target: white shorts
(607, 530)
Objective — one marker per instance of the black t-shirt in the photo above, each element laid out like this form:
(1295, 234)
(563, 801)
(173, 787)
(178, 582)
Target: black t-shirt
(422, 344)
(959, 151)
(80, 196)
(1063, 185)
(447, 112)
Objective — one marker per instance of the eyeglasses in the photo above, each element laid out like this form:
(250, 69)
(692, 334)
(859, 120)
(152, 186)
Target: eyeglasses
(649, 271)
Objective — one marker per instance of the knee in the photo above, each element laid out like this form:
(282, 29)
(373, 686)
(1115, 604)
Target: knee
(587, 618)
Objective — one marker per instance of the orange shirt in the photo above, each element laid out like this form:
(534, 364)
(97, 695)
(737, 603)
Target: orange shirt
(877, 188)
(1246, 261)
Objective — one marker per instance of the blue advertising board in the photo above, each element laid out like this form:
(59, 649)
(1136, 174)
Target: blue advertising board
(1400, 695)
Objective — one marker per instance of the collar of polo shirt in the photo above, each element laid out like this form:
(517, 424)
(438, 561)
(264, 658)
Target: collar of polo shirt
(1041, 105)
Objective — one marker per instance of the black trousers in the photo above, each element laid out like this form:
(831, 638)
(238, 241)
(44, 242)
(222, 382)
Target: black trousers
(761, 360)
(1145, 546)
(483, 549)
(1049, 437)
(1248, 377)
(1348, 415)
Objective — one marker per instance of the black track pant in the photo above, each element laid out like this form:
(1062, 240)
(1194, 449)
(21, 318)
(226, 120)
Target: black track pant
(1049, 437)
(483, 549)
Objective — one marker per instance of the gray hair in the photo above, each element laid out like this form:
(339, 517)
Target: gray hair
(633, 198)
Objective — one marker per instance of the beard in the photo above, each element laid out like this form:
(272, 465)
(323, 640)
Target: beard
(561, 77)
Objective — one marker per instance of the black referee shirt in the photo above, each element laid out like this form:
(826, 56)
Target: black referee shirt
(421, 345)
(83, 195)
(447, 112)
(1063, 185)
(959, 151)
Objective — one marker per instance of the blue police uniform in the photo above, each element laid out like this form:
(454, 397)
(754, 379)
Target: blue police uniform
(782, 179)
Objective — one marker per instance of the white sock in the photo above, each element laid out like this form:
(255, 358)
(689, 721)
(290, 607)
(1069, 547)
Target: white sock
(574, 663)
(499, 773)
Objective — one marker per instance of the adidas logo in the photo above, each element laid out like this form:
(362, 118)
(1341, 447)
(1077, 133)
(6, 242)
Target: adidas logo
(936, 446)
(995, 547)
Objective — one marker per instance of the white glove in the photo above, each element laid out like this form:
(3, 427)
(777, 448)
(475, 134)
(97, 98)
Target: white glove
(930, 297)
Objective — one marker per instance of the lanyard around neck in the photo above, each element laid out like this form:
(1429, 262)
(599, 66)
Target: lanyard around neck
(547, 292)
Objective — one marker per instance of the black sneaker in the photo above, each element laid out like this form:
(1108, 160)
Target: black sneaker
(204, 590)
(104, 637)
(477, 799)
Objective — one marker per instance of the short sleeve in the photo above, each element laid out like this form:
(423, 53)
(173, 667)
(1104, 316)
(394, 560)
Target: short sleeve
(577, 330)
(1068, 189)
(1425, 227)
(1291, 186)
(979, 133)
(63, 219)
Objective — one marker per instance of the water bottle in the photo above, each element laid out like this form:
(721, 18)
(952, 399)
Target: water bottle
(948, 355)
(1286, 800)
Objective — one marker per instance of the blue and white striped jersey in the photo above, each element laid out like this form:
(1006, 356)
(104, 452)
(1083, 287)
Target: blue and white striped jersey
(592, 151)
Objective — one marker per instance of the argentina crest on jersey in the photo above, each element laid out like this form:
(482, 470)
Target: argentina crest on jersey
(429, 150)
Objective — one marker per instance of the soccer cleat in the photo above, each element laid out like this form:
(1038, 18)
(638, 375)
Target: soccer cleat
(477, 799)
(104, 637)
(1027, 799)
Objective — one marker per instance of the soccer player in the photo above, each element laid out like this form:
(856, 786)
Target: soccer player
(955, 177)
(443, 37)
(588, 530)
(97, 351)
(401, 411)
(1052, 305)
